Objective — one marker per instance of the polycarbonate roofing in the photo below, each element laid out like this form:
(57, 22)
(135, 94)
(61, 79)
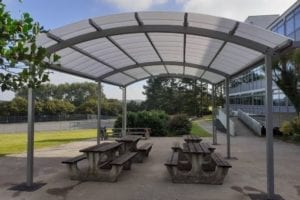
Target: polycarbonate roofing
(125, 48)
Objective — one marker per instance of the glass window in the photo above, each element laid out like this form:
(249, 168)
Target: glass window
(297, 20)
(289, 25)
(297, 38)
(280, 29)
(274, 29)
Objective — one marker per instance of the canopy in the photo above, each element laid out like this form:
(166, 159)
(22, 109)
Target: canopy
(124, 48)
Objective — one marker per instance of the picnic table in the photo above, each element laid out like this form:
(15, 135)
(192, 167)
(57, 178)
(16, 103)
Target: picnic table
(105, 162)
(130, 142)
(99, 154)
(191, 138)
(196, 162)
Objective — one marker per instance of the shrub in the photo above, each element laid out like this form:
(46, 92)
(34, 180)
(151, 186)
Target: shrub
(179, 125)
(291, 127)
(156, 120)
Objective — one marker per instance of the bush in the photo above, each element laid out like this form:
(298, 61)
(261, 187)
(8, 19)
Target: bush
(291, 127)
(156, 120)
(179, 125)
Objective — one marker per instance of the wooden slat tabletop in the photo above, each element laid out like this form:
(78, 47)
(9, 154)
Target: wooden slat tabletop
(101, 147)
(197, 148)
(129, 138)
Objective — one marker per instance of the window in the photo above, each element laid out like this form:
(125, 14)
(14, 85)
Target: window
(289, 25)
(280, 29)
(297, 20)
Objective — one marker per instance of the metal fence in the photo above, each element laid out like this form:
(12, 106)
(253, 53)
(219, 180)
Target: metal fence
(51, 118)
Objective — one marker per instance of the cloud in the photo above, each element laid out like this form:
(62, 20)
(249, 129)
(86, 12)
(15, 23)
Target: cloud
(136, 5)
(236, 9)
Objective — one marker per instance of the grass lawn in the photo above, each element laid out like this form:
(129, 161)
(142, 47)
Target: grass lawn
(17, 142)
(199, 131)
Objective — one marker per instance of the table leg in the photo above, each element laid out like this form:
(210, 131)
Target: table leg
(197, 161)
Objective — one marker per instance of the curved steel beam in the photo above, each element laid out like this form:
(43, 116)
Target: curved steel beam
(171, 76)
(163, 29)
(161, 63)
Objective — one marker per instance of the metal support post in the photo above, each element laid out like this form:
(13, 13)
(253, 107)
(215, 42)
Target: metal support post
(30, 138)
(124, 118)
(99, 113)
(214, 114)
(227, 118)
(269, 127)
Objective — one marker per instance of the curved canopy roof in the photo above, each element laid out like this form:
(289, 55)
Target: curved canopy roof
(125, 48)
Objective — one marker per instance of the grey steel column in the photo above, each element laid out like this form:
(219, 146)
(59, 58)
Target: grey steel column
(30, 138)
(99, 113)
(269, 128)
(227, 117)
(124, 118)
(214, 114)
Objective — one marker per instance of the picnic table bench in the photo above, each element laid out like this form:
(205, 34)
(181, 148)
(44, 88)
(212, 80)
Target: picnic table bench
(191, 138)
(144, 133)
(105, 162)
(130, 144)
(196, 163)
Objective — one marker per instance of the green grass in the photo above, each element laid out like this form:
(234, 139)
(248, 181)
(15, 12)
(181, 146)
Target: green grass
(17, 142)
(198, 131)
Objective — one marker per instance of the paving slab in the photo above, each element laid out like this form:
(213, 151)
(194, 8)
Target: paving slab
(150, 180)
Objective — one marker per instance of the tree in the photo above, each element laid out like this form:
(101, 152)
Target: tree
(75, 93)
(287, 76)
(176, 95)
(58, 107)
(134, 106)
(22, 62)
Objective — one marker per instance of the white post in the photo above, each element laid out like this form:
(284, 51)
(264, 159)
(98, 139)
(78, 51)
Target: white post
(269, 127)
(30, 138)
(227, 118)
(99, 113)
(124, 118)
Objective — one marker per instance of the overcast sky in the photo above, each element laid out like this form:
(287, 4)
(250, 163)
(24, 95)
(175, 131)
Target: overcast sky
(55, 13)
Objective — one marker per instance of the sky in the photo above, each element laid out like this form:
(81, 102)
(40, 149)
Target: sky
(56, 13)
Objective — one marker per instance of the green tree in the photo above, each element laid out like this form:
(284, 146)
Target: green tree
(18, 106)
(176, 95)
(22, 62)
(287, 76)
(57, 107)
(75, 93)
(134, 106)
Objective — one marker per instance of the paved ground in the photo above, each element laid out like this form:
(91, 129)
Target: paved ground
(150, 180)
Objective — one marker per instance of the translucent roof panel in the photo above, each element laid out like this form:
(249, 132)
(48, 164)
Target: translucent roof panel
(233, 56)
(152, 43)
(106, 51)
(175, 69)
(162, 18)
(201, 50)
(119, 78)
(73, 30)
(114, 21)
(137, 46)
(156, 69)
(212, 77)
(210, 22)
(259, 35)
(193, 71)
(43, 40)
(169, 45)
(139, 73)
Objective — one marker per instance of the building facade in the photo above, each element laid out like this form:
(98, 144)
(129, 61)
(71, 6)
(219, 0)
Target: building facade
(247, 90)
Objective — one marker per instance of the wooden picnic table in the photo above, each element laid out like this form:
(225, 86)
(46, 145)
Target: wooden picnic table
(97, 154)
(197, 153)
(202, 164)
(130, 142)
(191, 138)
